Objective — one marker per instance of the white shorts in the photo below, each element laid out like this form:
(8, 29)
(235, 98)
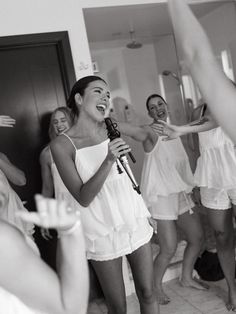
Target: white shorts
(172, 206)
(217, 199)
(119, 243)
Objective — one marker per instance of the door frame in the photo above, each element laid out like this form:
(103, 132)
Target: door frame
(58, 39)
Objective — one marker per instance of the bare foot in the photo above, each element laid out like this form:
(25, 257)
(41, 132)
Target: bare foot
(162, 298)
(231, 304)
(194, 283)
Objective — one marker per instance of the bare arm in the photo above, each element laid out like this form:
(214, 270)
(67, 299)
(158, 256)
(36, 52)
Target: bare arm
(13, 174)
(138, 133)
(46, 174)
(37, 285)
(63, 155)
(215, 87)
(174, 131)
(144, 134)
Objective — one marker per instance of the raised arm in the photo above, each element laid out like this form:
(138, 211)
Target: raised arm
(46, 174)
(171, 131)
(138, 133)
(216, 88)
(37, 285)
(64, 153)
(144, 134)
(13, 174)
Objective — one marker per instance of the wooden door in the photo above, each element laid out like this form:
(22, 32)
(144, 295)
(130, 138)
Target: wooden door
(34, 80)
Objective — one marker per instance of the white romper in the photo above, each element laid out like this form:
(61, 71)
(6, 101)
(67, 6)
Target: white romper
(216, 169)
(166, 180)
(116, 222)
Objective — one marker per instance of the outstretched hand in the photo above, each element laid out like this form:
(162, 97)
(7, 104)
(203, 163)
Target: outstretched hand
(166, 130)
(51, 213)
(6, 121)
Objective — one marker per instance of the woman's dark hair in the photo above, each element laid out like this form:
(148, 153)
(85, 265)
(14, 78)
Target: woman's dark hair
(79, 88)
(69, 118)
(154, 96)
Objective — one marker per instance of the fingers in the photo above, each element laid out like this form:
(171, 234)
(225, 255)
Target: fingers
(45, 233)
(54, 213)
(29, 217)
(153, 224)
(6, 121)
(166, 138)
(161, 122)
(118, 147)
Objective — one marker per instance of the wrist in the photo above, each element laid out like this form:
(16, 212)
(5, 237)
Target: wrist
(109, 161)
(69, 231)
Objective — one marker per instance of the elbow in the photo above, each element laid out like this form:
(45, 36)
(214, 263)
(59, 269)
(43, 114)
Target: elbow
(84, 203)
(21, 181)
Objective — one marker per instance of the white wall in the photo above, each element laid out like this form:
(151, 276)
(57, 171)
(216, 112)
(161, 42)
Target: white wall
(217, 31)
(39, 16)
(220, 26)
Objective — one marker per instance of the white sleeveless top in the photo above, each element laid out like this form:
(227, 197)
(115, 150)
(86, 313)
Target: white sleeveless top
(166, 170)
(13, 204)
(116, 207)
(216, 166)
(10, 304)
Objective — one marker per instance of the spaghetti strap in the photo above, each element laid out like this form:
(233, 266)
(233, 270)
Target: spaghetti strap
(50, 153)
(70, 140)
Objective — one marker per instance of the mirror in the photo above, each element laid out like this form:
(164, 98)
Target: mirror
(133, 47)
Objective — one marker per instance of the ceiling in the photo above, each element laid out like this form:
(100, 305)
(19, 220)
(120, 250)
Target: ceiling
(147, 20)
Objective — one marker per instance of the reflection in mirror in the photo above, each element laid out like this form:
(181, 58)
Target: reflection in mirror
(134, 49)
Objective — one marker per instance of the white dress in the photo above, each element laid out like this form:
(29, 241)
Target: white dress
(216, 166)
(166, 170)
(10, 304)
(115, 223)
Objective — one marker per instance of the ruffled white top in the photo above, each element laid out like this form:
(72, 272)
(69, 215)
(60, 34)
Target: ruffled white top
(117, 206)
(216, 166)
(10, 304)
(166, 170)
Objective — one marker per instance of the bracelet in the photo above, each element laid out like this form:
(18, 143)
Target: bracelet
(69, 231)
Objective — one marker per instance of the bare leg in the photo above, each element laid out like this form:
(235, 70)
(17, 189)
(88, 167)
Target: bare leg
(142, 269)
(168, 242)
(221, 221)
(191, 226)
(111, 279)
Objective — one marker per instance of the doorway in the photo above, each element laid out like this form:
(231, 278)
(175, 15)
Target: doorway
(36, 76)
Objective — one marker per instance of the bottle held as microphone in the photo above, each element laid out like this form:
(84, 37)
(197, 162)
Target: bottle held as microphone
(113, 133)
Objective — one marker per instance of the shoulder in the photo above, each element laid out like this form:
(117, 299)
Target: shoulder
(62, 145)
(11, 239)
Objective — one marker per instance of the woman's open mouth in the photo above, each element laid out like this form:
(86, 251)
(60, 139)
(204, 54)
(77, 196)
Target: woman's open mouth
(101, 108)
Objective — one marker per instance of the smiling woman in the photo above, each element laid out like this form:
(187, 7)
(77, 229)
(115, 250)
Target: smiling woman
(61, 120)
(166, 184)
(86, 161)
